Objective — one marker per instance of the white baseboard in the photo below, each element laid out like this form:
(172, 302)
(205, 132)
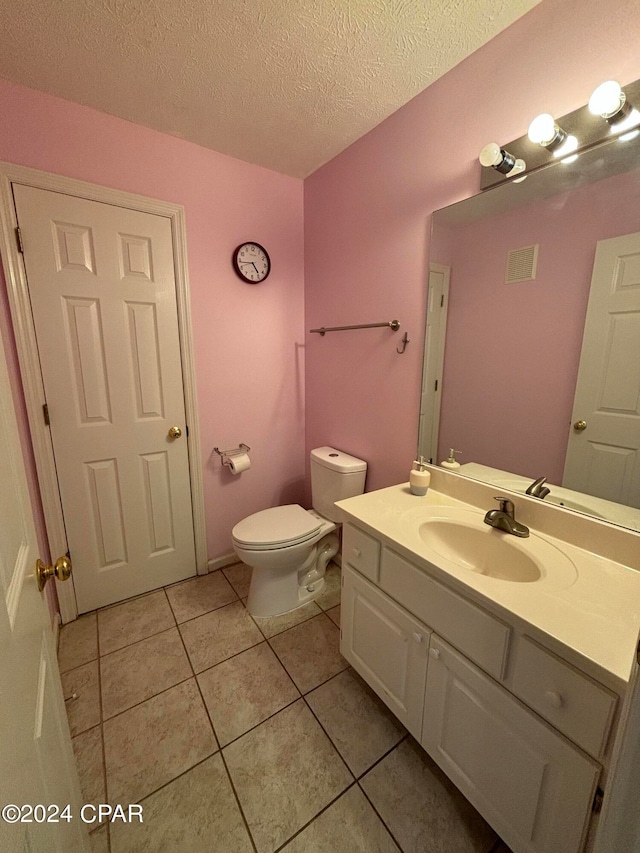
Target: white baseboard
(231, 559)
(221, 562)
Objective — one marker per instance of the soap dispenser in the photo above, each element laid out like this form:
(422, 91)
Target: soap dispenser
(419, 477)
(450, 462)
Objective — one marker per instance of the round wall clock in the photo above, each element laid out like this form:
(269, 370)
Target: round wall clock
(251, 262)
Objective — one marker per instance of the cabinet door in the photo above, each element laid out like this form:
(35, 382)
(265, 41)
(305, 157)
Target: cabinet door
(386, 646)
(530, 784)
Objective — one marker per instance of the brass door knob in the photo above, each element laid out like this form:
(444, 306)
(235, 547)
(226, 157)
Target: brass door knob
(580, 425)
(175, 432)
(61, 570)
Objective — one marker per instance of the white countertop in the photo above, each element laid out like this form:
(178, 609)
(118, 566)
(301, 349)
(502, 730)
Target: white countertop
(597, 616)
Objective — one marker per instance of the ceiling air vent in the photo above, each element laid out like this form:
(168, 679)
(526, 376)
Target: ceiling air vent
(521, 264)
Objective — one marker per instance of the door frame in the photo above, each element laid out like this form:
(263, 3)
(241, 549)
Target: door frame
(27, 348)
(433, 364)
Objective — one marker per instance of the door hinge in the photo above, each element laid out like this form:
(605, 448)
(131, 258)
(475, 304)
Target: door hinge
(187, 430)
(436, 386)
(45, 414)
(442, 301)
(597, 801)
(638, 652)
(19, 241)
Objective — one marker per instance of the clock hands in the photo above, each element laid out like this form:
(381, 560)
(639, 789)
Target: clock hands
(252, 264)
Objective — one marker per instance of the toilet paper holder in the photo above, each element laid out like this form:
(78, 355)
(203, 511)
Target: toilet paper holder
(226, 455)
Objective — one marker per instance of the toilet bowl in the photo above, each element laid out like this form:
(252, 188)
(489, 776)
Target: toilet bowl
(289, 547)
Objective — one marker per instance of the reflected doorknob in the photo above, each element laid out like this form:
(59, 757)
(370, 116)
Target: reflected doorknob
(579, 426)
(175, 432)
(61, 570)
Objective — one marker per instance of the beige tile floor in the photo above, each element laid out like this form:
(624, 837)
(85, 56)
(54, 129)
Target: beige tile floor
(238, 734)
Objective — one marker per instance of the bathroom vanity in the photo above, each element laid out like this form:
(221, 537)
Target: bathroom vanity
(507, 659)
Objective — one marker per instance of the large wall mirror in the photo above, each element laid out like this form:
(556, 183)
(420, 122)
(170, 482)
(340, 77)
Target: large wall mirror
(532, 363)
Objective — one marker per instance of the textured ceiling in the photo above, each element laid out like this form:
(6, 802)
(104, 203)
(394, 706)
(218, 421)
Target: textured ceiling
(284, 84)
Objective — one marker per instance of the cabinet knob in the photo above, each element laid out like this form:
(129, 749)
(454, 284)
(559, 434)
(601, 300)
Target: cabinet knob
(554, 699)
(435, 653)
(418, 637)
(357, 552)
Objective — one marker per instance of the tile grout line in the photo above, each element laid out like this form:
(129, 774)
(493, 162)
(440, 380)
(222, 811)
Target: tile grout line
(222, 758)
(104, 754)
(271, 716)
(206, 612)
(316, 816)
(356, 780)
(195, 674)
(202, 760)
(382, 820)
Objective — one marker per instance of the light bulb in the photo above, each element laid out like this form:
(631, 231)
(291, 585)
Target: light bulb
(607, 99)
(502, 161)
(491, 155)
(542, 129)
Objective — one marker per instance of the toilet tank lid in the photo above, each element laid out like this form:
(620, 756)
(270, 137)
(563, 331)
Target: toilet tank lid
(329, 457)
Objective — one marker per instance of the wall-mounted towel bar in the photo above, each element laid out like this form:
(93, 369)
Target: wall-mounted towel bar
(392, 324)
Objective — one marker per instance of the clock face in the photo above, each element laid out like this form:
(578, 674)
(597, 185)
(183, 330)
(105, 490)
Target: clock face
(251, 262)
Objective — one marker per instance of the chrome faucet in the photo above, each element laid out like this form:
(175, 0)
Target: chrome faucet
(537, 489)
(504, 518)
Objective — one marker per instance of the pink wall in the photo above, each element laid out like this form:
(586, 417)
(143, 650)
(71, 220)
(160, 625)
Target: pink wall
(366, 225)
(248, 339)
(513, 351)
(367, 214)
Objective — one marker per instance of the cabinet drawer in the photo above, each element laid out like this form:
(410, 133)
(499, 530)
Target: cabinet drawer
(476, 633)
(361, 552)
(580, 708)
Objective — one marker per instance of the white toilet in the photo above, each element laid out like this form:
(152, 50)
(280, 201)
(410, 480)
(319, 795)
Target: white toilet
(289, 547)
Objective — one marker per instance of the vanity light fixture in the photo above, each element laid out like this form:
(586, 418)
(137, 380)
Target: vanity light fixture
(544, 131)
(610, 102)
(502, 161)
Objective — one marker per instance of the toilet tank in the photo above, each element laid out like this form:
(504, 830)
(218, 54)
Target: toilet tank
(334, 476)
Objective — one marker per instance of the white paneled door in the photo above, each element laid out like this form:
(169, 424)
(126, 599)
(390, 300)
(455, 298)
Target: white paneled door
(37, 766)
(603, 454)
(102, 288)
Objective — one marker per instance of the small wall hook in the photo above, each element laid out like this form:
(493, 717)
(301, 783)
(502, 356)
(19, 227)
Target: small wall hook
(405, 341)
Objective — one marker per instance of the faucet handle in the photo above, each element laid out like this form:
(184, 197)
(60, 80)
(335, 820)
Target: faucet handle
(506, 505)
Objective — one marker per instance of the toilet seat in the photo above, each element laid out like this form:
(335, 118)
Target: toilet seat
(277, 527)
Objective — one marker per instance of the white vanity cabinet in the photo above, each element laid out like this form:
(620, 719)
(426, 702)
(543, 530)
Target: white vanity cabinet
(533, 786)
(387, 646)
(448, 669)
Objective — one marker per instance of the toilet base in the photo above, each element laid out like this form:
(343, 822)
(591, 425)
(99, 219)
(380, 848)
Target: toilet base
(261, 608)
(275, 590)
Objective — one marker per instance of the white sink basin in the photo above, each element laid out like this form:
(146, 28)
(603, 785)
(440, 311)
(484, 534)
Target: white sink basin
(462, 537)
(483, 550)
